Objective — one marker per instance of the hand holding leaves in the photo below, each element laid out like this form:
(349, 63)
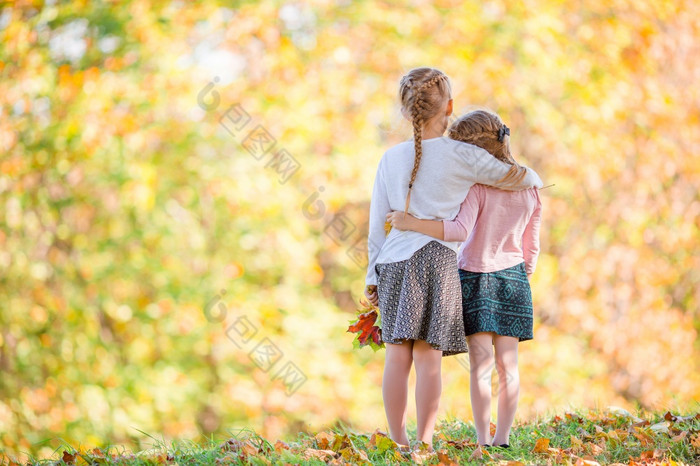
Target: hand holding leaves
(367, 327)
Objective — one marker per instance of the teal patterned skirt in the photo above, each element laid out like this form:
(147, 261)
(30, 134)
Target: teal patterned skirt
(499, 302)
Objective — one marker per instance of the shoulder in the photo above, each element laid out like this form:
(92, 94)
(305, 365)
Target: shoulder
(535, 194)
(462, 150)
(401, 148)
(454, 145)
(393, 154)
(479, 190)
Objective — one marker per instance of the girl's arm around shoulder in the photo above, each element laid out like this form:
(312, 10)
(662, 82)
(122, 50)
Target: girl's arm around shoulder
(482, 167)
(407, 222)
(446, 230)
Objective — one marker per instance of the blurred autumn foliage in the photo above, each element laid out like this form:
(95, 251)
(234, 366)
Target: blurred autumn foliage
(129, 211)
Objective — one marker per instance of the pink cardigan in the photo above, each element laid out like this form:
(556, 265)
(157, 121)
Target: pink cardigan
(501, 229)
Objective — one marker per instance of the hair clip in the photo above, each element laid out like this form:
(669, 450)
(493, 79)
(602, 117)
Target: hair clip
(502, 132)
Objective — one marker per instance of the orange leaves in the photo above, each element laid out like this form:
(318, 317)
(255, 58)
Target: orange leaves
(643, 436)
(100, 456)
(623, 432)
(367, 328)
(541, 445)
(336, 448)
(445, 459)
(601, 440)
(281, 446)
(68, 458)
(240, 447)
(324, 440)
(381, 442)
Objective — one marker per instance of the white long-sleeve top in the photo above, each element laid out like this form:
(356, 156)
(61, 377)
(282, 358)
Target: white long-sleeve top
(447, 170)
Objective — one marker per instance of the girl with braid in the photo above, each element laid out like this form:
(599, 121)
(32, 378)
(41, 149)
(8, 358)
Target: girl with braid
(411, 276)
(496, 261)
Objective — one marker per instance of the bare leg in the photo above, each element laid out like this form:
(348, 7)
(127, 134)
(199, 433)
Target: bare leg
(397, 366)
(508, 386)
(428, 363)
(480, 367)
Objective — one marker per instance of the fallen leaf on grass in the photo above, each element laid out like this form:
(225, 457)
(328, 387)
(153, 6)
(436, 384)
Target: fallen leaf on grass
(586, 461)
(461, 444)
(478, 454)
(324, 440)
(318, 454)
(381, 442)
(280, 446)
(445, 459)
(593, 448)
(419, 457)
(231, 444)
(643, 436)
(249, 449)
(576, 442)
(673, 418)
(341, 442)
(695, 441)
(69, 458)
(541, 445)
(660, 427)
(680, 436)
(623, 412)
(651, 454)
(354, 456)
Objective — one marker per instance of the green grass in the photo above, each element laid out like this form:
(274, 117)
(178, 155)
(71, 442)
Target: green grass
(575, 438)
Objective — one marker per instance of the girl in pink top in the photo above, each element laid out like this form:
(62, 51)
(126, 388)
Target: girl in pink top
(500, 230)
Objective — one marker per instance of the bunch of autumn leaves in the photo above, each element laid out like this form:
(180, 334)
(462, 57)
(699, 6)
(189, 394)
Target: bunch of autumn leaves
(367, 325)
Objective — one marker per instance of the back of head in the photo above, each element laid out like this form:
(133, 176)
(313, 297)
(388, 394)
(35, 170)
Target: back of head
(423, 93)
(486, 130)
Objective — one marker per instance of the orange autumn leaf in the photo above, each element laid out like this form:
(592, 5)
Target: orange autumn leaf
(369, 333)
(445, 459)
(281, 446)
(324, 440)
(69, 458)
(541, 445)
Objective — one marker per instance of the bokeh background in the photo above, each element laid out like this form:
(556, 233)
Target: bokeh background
(145, 234)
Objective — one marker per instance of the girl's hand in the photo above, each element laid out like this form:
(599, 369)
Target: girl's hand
(371, 294)
(400, 220)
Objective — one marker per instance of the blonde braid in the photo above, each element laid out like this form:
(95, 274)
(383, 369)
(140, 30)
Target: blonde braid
(420, 112)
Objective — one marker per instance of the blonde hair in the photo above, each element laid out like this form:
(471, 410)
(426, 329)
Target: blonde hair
(486, 130)
(422, 91)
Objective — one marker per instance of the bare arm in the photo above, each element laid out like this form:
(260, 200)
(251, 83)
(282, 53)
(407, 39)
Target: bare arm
(404, 221)
(447, 230)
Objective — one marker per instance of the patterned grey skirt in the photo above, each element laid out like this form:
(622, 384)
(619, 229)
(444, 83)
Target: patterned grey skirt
(420, 299)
